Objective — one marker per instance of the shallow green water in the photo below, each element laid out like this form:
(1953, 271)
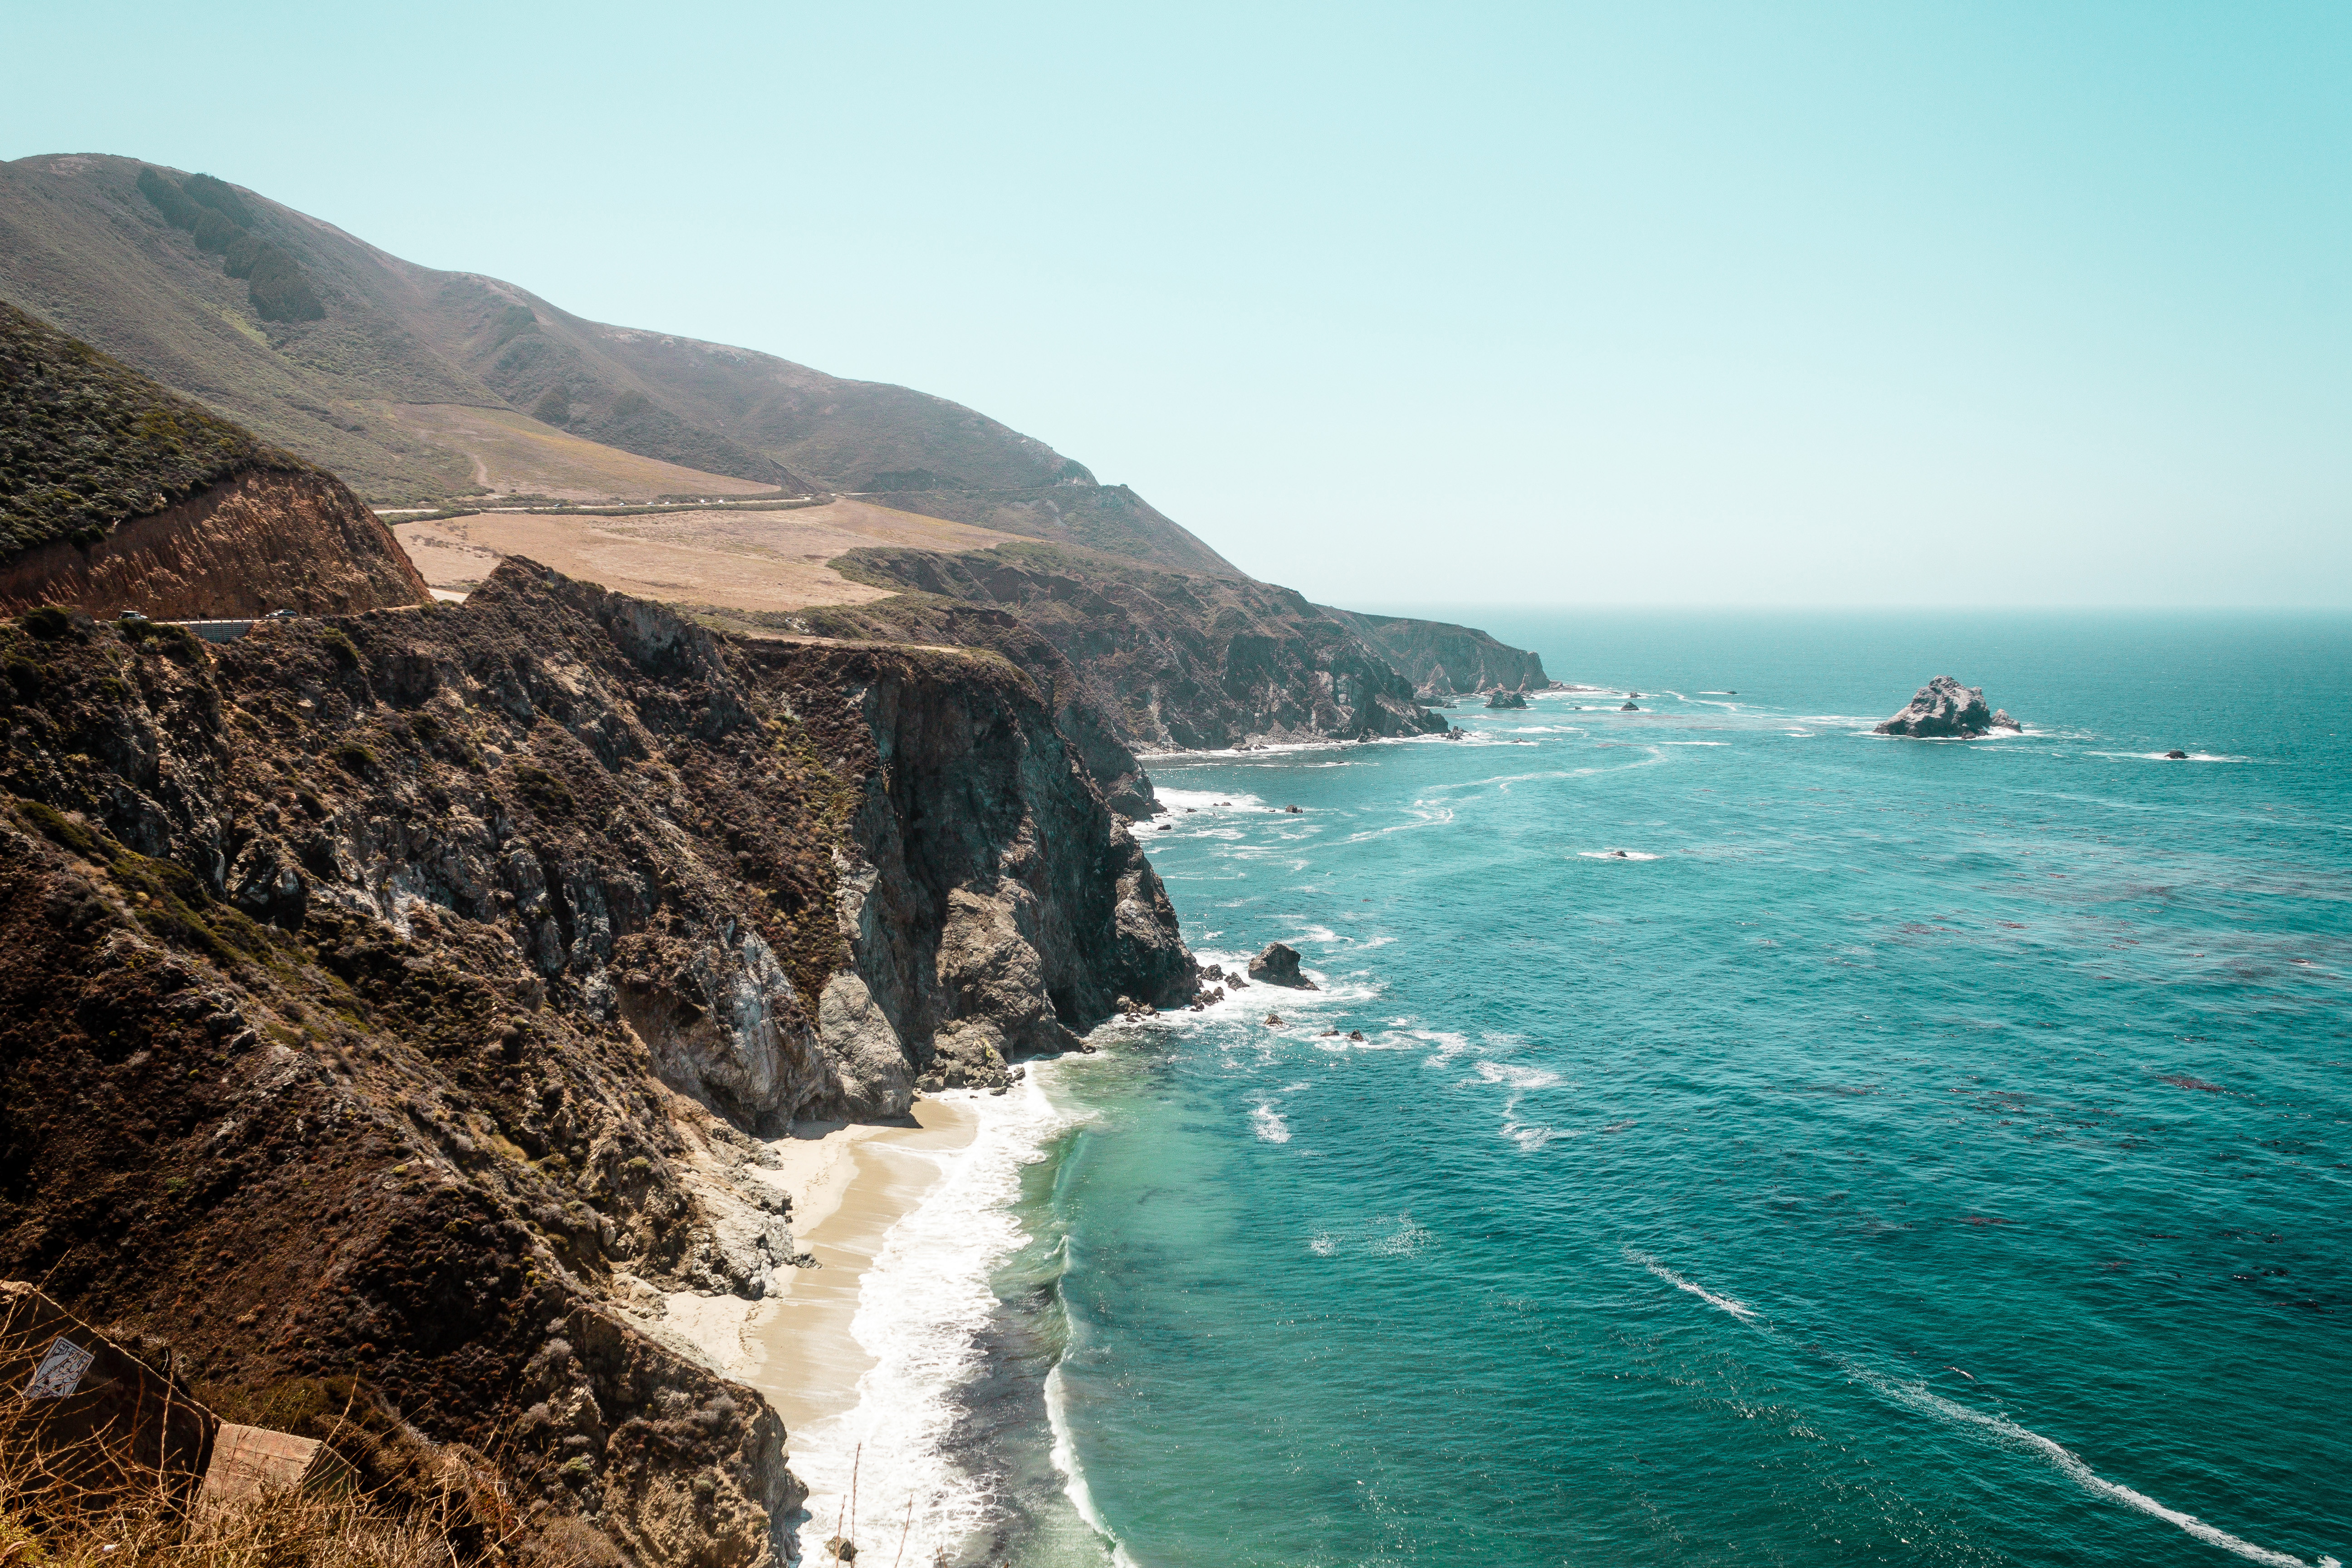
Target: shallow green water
(1928, 1152)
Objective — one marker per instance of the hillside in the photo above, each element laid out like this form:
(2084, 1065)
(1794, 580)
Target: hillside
(1443, 659)
(1170, 660)
(314, 339)
(87, 443)
(115, 494)
(399, 998)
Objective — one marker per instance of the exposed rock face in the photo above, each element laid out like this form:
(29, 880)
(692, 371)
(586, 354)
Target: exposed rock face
(1091, 730)
(442, 960)
(1170, 659)
(1443, 659)
(263, 540)
(1278, 965)
(1506, 700)
(1945, 709)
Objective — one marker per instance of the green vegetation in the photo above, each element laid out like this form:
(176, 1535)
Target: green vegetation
(222, 223)
(86, 443)
(166, 897)
(340, 645)
(546, 795)
(513, 321)
(555, 408)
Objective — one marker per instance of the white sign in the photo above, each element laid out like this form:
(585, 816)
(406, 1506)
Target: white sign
(60, 1371)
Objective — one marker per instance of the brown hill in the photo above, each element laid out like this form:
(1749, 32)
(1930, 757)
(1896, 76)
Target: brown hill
(298, 331)
(115, 494)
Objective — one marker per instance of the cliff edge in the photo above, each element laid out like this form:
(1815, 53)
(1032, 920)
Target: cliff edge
(403, 995)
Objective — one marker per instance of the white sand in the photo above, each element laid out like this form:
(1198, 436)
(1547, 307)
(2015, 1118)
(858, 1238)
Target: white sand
(849, 1185)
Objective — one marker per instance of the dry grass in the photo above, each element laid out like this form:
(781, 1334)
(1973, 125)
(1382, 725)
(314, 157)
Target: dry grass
(514, 454)
(762, 561)
(88, 1505)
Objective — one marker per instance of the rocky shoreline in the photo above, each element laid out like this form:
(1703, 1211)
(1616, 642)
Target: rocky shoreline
(452, 961)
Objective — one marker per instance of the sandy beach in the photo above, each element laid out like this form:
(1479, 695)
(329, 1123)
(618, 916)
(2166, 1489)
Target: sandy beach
(849, 1185)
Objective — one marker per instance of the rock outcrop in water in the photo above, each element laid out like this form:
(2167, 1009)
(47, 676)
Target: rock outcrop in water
(1945, 709)
(1278, 965)
(1500, 698)
(396, 996)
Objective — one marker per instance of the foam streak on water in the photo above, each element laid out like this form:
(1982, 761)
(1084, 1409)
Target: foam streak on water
(1920, 1137)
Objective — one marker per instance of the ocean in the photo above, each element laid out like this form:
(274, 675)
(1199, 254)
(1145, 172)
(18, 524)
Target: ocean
(1903, 1151)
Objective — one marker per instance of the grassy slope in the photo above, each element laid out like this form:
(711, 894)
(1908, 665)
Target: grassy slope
(1109, 518)
(82, 247)
(86, 443)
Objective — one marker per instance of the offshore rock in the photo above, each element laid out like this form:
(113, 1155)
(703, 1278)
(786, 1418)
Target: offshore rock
(1278, 965)
(1945, 709)
(1500, 698)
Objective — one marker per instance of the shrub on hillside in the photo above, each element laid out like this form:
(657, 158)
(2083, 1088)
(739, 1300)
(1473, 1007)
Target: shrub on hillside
(86, 443)
(555, 408)
(222, 224)
(218, 195)
(169, 199)
(513, 321)
(278, 289)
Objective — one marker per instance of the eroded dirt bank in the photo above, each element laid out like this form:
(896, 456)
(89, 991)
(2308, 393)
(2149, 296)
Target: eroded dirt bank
(265, 539)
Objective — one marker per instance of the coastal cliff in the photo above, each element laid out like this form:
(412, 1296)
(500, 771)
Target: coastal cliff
(403, 995)
(1443, 659)
(1166, 659)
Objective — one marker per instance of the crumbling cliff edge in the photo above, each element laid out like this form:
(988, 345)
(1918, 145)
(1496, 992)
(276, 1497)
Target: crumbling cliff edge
(403, 995)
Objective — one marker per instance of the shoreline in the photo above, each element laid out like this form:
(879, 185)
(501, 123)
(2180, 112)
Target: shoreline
(850, 1185)
(868, 1358)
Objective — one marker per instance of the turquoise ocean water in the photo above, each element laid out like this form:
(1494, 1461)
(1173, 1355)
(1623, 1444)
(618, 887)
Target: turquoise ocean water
(1909, 1152)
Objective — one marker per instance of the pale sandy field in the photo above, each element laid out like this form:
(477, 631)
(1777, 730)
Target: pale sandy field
(514, 454)
(738, 559)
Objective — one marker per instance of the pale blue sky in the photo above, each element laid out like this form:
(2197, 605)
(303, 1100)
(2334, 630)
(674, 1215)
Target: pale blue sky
(1761, 304)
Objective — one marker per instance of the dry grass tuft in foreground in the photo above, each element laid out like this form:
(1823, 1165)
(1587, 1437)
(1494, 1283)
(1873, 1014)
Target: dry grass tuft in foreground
(50, 1517)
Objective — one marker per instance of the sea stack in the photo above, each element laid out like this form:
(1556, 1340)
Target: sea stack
(1502, 698)
(1944, 710)
(1278, 965)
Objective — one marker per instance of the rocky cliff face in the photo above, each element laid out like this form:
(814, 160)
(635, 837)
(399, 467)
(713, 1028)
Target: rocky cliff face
(1168, 659)
(264, 539)
(1444, 661)
(398, 995)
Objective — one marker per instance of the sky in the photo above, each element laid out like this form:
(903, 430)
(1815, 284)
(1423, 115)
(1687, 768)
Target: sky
(1775, 305)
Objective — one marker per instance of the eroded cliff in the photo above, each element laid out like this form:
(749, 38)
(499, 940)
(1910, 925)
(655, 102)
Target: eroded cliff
(264, 539)
(1168, 659)
(399, 995)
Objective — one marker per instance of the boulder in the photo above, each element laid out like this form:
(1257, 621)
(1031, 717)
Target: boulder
(1945, 709)
(2001, 720)
(1502, 699)
(1630, 708)
(1278, 965)
(2177, 756)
